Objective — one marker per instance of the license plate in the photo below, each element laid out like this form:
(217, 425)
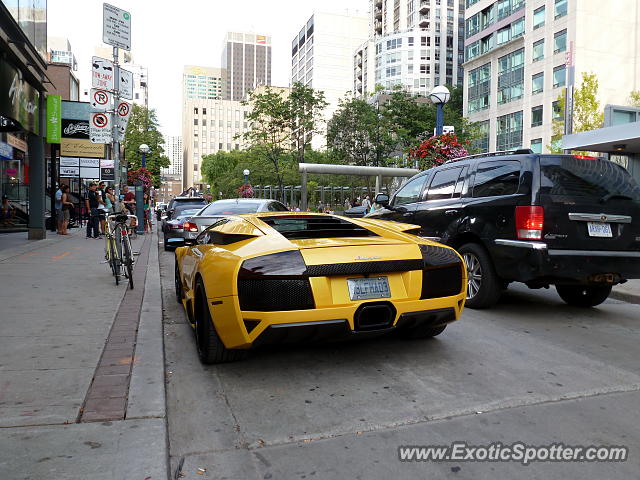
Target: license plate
(598, 229)
(366, 288)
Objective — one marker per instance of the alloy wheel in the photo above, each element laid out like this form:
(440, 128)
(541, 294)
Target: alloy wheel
(474, 273)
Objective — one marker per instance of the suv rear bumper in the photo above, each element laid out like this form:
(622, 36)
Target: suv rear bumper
(530, 261)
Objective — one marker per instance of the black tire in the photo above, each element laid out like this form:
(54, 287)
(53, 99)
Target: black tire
(177, 283)
(417, 333)
(211, 350)
(584, 295)
(483, 286)
(127, 259)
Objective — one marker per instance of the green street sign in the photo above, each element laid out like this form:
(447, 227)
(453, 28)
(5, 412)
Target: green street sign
(54, 118)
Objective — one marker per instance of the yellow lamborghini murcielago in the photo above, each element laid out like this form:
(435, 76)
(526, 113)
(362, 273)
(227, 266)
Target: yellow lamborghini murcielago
(284, 277)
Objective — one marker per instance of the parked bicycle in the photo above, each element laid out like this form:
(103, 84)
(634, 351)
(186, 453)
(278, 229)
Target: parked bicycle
(118, 251)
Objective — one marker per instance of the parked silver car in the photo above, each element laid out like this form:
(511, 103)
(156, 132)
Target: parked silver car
(213, 212)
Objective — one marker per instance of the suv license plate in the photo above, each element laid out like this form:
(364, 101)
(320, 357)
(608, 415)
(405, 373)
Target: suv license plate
(365, 288)
(598, 229)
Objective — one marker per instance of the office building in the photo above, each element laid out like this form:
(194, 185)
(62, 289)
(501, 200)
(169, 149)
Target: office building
(172, 176)
(61, 69)
(417, 44)
(322, 58)
(204, 83)
(246, 60)
(517, 59)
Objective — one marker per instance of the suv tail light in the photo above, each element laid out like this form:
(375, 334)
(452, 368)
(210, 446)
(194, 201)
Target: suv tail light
(190, 227)
(585, 157)
(529, 222)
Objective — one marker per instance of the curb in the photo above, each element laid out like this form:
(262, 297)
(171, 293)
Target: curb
(625, 296)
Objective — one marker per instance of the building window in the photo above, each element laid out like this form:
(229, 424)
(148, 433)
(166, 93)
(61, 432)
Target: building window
(511, 77)
(560, 41)
(509, 131)
(558, 114)
(195, 110)
(517, 28)
(195, 121)
(559, 76)
(536, 145)
(560, 8)
(538, 17)
(536, 116)
(538, 50)
(204, 111)
(479, 88)
(481, 143)
(537, 83)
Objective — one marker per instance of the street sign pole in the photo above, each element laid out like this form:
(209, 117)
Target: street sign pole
(115, 145)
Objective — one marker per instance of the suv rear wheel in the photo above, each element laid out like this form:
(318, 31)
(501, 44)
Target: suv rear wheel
(483, 285)
(584, 295)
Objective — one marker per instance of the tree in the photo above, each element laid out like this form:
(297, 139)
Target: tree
(143, 128)
(586, 111)
(281, 125)
(634, 98)
(306, 106)
(358, 134)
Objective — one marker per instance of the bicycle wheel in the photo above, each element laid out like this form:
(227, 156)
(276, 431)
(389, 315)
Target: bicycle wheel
(114, 259)
(127, 258)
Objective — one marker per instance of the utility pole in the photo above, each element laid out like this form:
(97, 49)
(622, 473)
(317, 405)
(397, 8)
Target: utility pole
(115, 145)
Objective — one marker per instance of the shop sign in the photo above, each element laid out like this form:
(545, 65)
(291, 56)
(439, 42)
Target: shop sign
(18, 99)
(54, 118)
(16, 142)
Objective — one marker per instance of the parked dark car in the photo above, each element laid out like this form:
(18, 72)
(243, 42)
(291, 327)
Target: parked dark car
(221, 208)
(182, 202)
(356, 212)
(566, 220)
(175, 228)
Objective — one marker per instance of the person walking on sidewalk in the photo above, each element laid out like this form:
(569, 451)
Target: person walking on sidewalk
(58, 206)
(65, 211)
(93, 206)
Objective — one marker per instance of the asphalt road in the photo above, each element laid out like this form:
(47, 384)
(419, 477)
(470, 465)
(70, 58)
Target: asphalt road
(531, 370)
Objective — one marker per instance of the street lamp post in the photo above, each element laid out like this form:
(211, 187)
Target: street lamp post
(144, 149)
(246, 176)
(439, 96)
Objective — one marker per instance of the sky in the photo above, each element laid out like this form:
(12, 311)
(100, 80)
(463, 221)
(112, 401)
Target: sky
(166, 35)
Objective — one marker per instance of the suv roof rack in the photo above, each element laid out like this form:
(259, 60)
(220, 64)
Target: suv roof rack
(521, 151)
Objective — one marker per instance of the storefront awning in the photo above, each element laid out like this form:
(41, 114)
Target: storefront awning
(620, 138)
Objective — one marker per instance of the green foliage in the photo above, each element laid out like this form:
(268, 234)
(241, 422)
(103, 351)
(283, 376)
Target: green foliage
(586, 111)
(143, 128)
(634, 98)
(364, 133)
(279, 120)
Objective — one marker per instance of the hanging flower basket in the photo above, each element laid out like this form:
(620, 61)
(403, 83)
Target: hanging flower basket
(245, 191)
(140, 175)
(435, 151)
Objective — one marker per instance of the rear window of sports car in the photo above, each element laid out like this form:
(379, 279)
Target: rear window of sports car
(315, 226)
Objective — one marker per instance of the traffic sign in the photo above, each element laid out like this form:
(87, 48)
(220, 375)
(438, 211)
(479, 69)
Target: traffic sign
(122, 119)
(101, 100)
(124, 110)
(126, 84)
(101, 73)
(100, 128)
(116, 27)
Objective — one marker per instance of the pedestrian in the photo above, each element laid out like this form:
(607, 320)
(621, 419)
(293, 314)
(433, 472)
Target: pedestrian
(65, 211)
(129, 200)
(347, 204)
(109, 200)
(147, 212)
(366, 203)
(7, 212)
(93, 207)
(102, 201)
(58, 205)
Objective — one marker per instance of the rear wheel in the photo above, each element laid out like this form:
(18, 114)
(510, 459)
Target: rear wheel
(210, 348)
(584, 295)
(127, 258)
(417, 333)
(483, 285)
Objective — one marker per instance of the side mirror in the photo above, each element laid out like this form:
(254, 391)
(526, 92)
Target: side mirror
(382, 199)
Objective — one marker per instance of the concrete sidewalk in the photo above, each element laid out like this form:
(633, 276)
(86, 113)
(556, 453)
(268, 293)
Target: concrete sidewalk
(58, 307)
(627, 292)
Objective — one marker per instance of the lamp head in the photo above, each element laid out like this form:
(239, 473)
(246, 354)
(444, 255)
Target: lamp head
(144, 148)
(246, 172)
(440, 94)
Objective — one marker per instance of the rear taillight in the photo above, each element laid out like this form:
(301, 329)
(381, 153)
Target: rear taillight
(585, 157)
(529, 222)
(190, 227)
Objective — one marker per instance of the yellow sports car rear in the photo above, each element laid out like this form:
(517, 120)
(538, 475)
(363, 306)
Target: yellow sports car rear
(286, 277)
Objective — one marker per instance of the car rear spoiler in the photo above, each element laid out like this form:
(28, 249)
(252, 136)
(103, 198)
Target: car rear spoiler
(388, 225)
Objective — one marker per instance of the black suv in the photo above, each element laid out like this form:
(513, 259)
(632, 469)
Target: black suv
(566, 220)
(184, 202)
